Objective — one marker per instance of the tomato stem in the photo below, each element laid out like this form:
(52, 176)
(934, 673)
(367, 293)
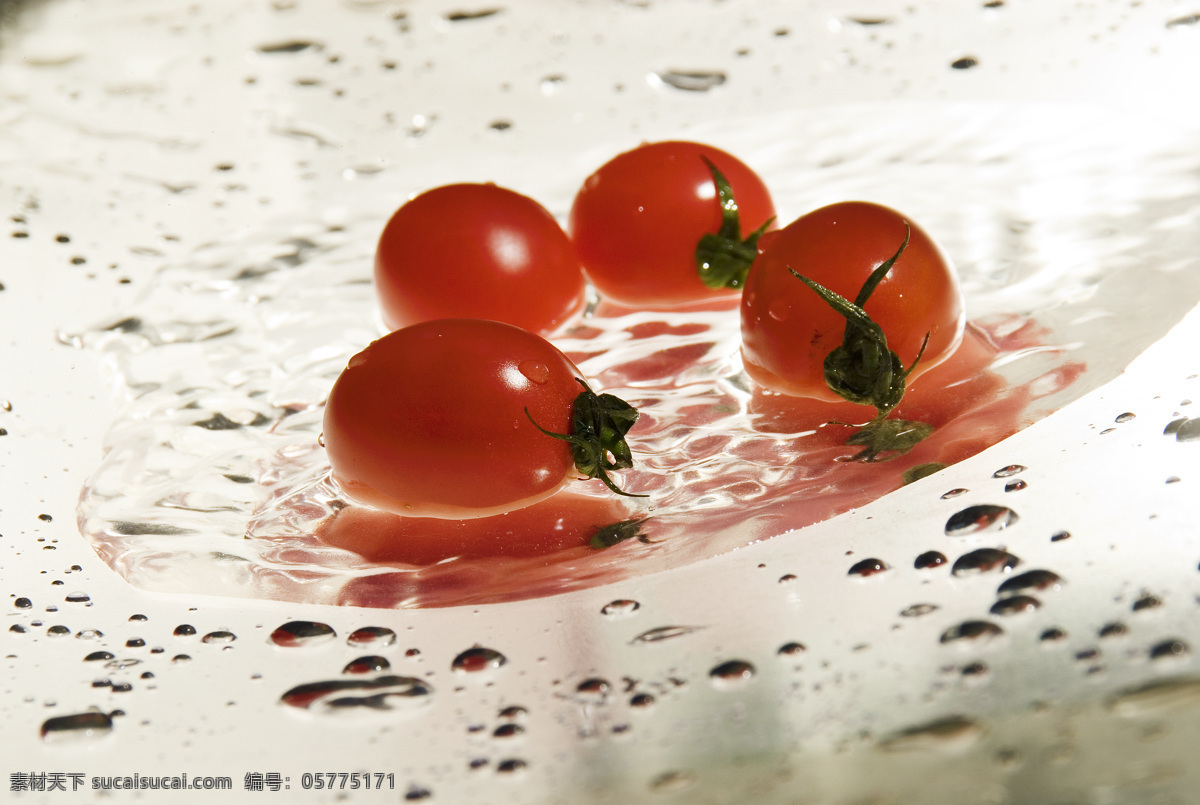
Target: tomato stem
(723, 257)
(863, 370)
(599, 423)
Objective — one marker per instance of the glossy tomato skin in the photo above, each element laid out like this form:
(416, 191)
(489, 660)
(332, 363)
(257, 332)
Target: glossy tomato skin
(477, 251)
(429, 421)
(637, 220)
(787, 329)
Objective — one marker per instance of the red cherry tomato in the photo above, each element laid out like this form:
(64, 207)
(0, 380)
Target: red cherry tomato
(430, 420)
(637, 221)
(477, 251)
(788, 329)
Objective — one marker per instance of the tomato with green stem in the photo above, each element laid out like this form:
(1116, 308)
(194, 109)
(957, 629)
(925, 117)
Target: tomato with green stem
(851, 302)
(464, 418)
(669, 224)
(477, 251)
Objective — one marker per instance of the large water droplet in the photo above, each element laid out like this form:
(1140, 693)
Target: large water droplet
(662, 633)
(381, 693)
(620, 608)
(867, 567)
(367, 665)
(1015, 605)
(1172, 649)
(219, 636)
(508, 731)
(731, 674)
(184, 630)
(302, 633)
(534, 371)
(1030, 580)
(76, 726)
(973, 631)
(380, 636)
(977, 519)
(930, 559)
(984, 560)
(477, 659)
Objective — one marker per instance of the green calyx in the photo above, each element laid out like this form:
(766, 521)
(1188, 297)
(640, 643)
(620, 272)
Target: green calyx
(863, 370)
(599, 423)
(723, 257)
(616, 533)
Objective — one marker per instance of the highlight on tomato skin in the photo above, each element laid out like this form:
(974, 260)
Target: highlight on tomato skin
(788, 329)
(638, 220)
(477, 251)
(434, 420)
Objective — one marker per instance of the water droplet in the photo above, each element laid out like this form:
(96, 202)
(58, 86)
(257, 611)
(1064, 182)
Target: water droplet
(1125, 417)
(953, 493)
(76, 726)
(1009, 471)
(511, 766)
(978, 519)
(690, 80)
(122, 664)
(641, 701)
(948, 734)
(594, 690)
(1169, 649)
(930, 559)
(301, 633)
(58, 631)
(1147, 601)
(77, 598)
(17, 628)
(672, 782)
(1015, 486)
(662, 633)
(135, 642)
(731, 674)
(620, 608)
(1115, 629)
(180, 659)
(417, 793)
(219, 636)
(22, 603)
(973, 631)
(791, 650)
(138, 618)
(867, 567)
(1030, 580)
(514, 712)
(535, 372)
(1168, 695)
(371, 636)
(508, 731)
(381, 693)
(184, 630)
(1185, 430)
(984, 560)
(965, 63)
(1016, 605)
(99, 656)
(917, 610)
(787, 578)
(477, 659)
(551, 84)
(1060, 536)
(367, 665)
(1053, 635)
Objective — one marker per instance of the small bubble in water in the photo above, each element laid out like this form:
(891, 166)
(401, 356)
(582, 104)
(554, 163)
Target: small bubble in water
(367, 665)
(981, 518)
(867, 567)
(594, 690)
(974, 630)
(662, 633)
(1169, 649)
(984, 560)
(372, 635)
(1009, 471)
(1015, 605)
(930, 559)
(302, 633)
(76, 726)
(477, 659)
(184, 630)
(622, 607)
(731, 674)
(219, 636)
(1031, 580)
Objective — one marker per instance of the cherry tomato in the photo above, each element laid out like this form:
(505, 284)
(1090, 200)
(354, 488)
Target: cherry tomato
(477, 251)
(788, 329)
(430, 420)
(638, 220)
